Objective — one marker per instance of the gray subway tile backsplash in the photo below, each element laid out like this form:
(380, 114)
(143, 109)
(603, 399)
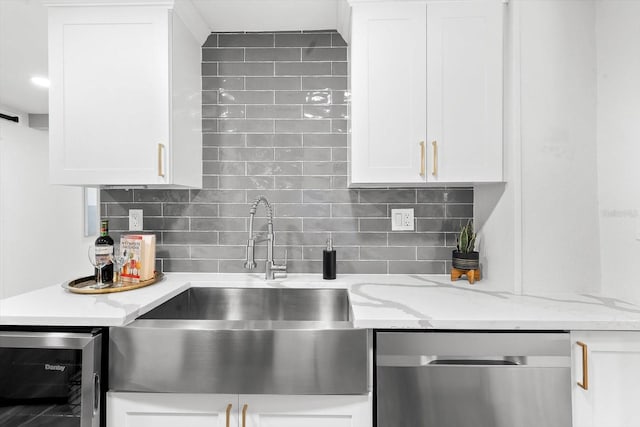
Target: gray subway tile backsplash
(303, 68)
(339, 68)
(270, 54)
(246, 97)
(245, 182)
(223, 140)
(217, 83)
(337, 40)
(218, 55)
(325, 111)
(245, 125)
(324, 54)
(303, 182)
(273, 83)
(317, 83)
(303, 126)
(302, 40)
(275, 111)
(210, 97)
(209, 69)
(274, 168)
(245, 69)
(325, 140)
(274, 140)
(246, 40)
(309, 97)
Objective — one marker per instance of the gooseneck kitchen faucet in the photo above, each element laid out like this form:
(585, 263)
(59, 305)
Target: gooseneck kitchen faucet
(271, 268)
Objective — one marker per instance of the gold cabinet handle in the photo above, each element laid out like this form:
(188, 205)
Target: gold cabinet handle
(244, 415)
(422, 160)
(229, 406)
(434, 172)
(585, 366)
(161, 160)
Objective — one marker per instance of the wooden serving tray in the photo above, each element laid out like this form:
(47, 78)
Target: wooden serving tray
(86, 285)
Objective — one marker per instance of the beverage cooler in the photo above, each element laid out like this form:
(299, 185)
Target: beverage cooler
(51, 379)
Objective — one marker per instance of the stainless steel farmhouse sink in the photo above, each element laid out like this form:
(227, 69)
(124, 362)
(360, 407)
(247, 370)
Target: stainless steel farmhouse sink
(243, 340)
(328, 306)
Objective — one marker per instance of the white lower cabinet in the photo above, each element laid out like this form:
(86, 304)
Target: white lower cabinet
(610, 375)
(307, 411)
(170, 410)
(196, 410)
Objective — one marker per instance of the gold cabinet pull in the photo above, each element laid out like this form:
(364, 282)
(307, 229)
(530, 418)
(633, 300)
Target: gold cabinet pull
(585, 366)
(422, 160)
(244, 415)
(161, 160)
(434, 172)
(229, 406)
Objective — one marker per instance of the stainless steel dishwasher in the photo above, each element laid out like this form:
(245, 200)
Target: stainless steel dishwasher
(473, 379)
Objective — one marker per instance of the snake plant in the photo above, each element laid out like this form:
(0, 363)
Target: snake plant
(466, 239)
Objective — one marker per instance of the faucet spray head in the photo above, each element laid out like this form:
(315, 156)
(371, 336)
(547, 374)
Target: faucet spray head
(250, 263)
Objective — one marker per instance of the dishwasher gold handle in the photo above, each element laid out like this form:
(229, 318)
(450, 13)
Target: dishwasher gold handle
(229, 406)
(585, 366)
(422, 159)
(161, 160)
(244, 415)
(434, 144)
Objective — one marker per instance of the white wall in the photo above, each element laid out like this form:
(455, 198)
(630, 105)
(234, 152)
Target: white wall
(618, 139)
(497, 206)
(269, 15)
(540, 231)
(41, 226)
(560, 250)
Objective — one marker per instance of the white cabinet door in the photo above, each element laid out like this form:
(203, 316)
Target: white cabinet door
(171, 410)
(109, 105)
(464, 90)
(426, 86)
(307, 411)
(612, 373)
(125, 97)
(388, 68)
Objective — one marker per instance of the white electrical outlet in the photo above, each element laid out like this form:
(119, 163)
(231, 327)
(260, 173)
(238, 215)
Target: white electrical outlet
(135, 219)
(402, 219)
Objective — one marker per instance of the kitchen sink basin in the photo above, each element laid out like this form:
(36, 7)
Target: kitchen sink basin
(243, 340)
(240, 305)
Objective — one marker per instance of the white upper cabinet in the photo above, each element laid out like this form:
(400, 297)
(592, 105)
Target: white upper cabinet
(426, 83)
(464, 90)
(125, 97)
(388, 109)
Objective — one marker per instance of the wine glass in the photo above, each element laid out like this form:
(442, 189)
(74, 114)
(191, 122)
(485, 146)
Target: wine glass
(99, 259)
(118, 258)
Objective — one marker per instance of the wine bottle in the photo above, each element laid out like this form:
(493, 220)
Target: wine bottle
(104, 248)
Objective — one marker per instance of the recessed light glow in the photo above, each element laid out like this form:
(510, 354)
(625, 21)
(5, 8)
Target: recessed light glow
(40, 81)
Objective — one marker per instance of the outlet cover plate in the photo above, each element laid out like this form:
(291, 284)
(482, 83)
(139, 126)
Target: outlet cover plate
(135, 219)
(402, 220)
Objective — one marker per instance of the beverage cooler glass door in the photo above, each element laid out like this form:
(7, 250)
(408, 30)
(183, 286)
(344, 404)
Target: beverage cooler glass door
(50, 379)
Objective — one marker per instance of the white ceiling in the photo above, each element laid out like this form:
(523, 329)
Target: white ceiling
(23, 37)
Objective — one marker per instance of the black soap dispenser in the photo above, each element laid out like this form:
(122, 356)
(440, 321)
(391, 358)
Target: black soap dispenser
(329, 262)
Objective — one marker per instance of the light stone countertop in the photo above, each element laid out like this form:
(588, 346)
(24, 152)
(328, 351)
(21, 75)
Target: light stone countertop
(378, 301)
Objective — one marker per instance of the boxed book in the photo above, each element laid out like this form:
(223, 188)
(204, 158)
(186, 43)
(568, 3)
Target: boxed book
(140, 257)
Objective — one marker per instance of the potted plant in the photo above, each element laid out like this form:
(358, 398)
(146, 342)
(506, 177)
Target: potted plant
(464, 257)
